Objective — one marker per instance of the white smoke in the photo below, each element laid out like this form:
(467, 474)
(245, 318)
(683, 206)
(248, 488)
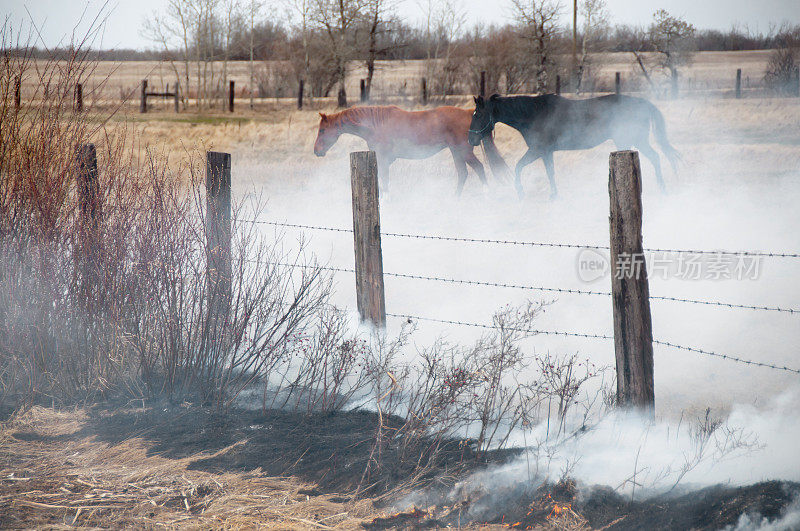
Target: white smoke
(738, 189)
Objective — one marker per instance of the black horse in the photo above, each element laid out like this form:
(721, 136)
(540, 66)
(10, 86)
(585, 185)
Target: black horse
(551, 123)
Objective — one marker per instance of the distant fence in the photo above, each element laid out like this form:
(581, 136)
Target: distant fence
(423, 95)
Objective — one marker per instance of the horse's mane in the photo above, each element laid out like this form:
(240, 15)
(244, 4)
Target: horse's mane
(364, 116)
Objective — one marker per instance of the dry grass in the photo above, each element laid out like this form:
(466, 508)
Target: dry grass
(710, 71)
(50, 475)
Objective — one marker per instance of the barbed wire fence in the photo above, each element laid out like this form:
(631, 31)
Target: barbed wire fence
(553, 289)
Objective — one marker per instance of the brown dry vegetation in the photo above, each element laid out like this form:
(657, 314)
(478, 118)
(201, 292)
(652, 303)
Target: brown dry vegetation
(400, 79)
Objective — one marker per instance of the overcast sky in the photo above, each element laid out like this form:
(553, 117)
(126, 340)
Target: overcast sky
(57, 18)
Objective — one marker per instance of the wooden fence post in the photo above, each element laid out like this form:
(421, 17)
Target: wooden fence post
(617, 83)
(300, 95)
(88, 189)
(78, 97)
(177, 95)
(558, 85)
(230, 96)
(738, 83)
(17, 92)
(367, 237)
(424, 91)
(218, 232)
(363, 93)
(483, 84)
(143, 97)
(797, 81)
(633, 335)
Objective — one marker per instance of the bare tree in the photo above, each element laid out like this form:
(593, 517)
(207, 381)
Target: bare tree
(174, 25)
(595, 20)
(252, 10)
(378, 12)
(539, 20)
(338, 20)
(445, 21)
(671, 37)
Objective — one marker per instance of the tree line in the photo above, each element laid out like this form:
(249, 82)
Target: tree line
(316, 40)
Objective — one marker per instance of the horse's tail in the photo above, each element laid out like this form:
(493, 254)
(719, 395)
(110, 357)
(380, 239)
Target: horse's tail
(500, 169)
(660, 131)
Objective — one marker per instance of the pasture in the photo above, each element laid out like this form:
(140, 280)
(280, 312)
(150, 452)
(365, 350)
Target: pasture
(737, 189)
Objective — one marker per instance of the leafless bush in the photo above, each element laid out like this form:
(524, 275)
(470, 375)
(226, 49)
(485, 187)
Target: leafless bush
(780, 74)
(276, 79)
(111, 297)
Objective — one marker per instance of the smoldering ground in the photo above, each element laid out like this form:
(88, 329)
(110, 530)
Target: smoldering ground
(737, 189)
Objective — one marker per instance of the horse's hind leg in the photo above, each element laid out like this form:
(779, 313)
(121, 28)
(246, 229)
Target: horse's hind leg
(647, 150)
(526, 159)
(476, 166)
(461, 169)
(551, 173)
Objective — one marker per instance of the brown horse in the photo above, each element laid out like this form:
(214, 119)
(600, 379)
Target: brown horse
(397, 134)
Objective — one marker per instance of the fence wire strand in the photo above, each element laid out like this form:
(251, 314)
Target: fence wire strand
(598, 336)
(533, 243)
(549, 289)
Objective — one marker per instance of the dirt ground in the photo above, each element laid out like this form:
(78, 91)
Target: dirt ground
(184, 467)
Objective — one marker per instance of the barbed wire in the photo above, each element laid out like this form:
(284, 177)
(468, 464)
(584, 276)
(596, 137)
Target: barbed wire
(492, 327)
(597, 336)
(573, 291)
(771, 254)
(724, 356)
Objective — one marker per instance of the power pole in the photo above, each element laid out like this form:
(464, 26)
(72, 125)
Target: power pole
(252, 16)
(574, 34)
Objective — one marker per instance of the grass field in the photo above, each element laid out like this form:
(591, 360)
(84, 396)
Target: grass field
(400, 80)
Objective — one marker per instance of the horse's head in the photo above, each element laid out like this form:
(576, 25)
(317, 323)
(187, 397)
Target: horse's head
(327, 135)
(482, 121)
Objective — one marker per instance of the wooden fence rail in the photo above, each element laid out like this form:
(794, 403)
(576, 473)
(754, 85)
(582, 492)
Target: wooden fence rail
(175, 94)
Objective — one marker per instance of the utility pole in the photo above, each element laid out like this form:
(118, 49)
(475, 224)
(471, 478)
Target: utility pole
(252, 77)
(574, 35)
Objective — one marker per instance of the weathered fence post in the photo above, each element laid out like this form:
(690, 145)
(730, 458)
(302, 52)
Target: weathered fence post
(558, 85)
(17, 92)
(78, 97)
(177, 95)
(483, 84)
(218, 233)
(367, 237)
(300, 95)
(617, 83)
(363, 94)
(424, 91)
(230, 96)
(633, 336)
(88, 189)
(797, 81)
(143, 97)
(738, 83)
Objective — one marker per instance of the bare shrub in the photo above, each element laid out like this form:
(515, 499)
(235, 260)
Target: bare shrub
(276, 79)
(111, 298)
(780, 74)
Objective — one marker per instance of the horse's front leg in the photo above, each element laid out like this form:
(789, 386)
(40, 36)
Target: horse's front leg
(551, 173)
(384, 161)
(526, 159)
(461, 170)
